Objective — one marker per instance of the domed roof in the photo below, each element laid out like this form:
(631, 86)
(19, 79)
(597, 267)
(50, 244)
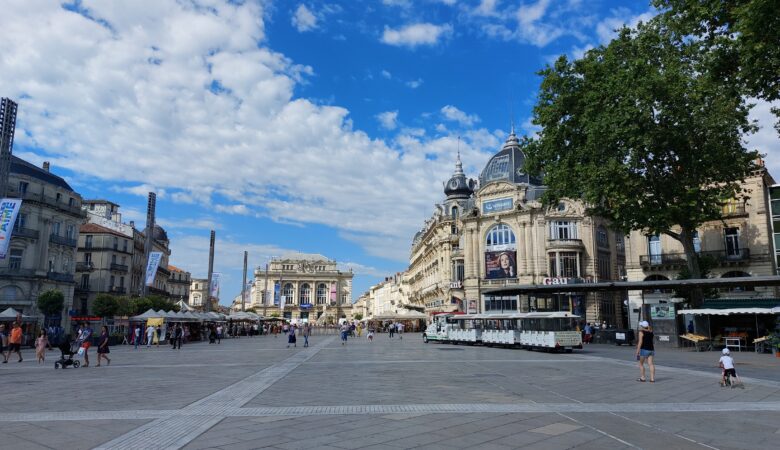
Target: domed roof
(458, 185)
(160, 234)
(508, 165)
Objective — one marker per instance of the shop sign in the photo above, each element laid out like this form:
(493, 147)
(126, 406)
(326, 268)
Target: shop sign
(456, 285)
(86, 318)
(306, 305)
(493, 206)
(565, 280)
(662, 311)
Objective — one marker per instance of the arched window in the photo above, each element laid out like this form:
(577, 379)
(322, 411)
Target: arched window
(500, 237)
(287, 292)
(454, 212)
(736, 274)
(657, 291)
(322, 294)
(305, 294)
(602, 239)
(11, 294)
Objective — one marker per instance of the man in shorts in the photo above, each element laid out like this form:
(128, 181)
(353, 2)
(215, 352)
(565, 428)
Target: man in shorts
(15, 342)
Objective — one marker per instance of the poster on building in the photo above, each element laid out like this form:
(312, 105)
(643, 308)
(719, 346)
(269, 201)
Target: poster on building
(662, 311)
(501, 264)
(333, 294)
(9, 209)
(472, 307)
(215, 279)
(151, 267)
(277, 291)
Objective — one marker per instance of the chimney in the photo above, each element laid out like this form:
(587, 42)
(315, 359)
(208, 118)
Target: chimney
(46, 166)
(132, 224)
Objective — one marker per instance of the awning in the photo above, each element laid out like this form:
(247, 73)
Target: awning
(731, 303)
(727, 311)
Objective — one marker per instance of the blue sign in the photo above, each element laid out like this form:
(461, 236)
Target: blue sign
(306, 305)
(276, 294)
(500, 204)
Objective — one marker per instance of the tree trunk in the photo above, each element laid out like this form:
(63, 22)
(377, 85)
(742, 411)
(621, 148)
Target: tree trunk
(692, 259)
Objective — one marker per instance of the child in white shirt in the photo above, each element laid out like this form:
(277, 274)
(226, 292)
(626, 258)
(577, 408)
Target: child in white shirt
(727, 364)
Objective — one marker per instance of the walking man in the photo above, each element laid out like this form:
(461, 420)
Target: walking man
(15, 342)
(149, 335)
(391, 329)
(136, 336)
(306, 332)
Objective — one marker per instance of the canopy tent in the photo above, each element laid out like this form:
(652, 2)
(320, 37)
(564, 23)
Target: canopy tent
(12, 314)
(183, 306)
(753, 307)
(411, 315)
(149, 314)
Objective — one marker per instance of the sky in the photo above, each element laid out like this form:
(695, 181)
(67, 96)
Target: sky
(319, 126)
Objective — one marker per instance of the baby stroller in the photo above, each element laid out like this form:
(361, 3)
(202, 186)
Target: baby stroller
(68, 350)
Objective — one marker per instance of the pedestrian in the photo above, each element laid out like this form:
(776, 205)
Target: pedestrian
(40, 346)
(85, 334)
(726, 363)
(645, 351)
(102, 350)
(588, 333)
(370, 333)
(344, 332)
(399, 329)
(178, 333)
(391, 329)
(212, 335)
(306, 333)
(291, 337)
(4, 343)
(219, 334)
(15, 341)
(136, 336)
(690, 327)
(150, 331)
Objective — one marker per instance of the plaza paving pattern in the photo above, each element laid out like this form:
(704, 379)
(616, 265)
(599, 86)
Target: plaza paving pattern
(256, 393)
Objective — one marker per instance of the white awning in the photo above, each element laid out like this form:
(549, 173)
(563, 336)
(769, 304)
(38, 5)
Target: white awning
(728, 312)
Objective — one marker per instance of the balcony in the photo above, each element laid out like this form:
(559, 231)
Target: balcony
(27, 196)
(82, 287)
(565, 244)
(164, 271)
(92, 248)
(16, 272)
(26, 233)
(160, 292)
(58, 276)
(117, 289)
(119, 267)
(734, 210)
(721, 258)
(63, 240)
(84, 266)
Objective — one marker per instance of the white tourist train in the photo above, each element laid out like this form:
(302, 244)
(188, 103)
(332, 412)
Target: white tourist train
(533, 330)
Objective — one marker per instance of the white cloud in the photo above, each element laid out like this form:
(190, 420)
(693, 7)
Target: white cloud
(454, 114)
(416, 34)
(414, 84)
(239, 209)
(766, 140)
(486, 8)
(388, 119)
(386, 74)
(605, 29)
(304, 19)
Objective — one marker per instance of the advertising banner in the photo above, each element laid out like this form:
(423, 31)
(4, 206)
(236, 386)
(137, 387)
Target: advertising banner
(492, 206)
(151, 267)
(662, 311)
(501, 264)
(9, 209)
(333, 294)
(472, 307)
(277, 291)
(215, 278)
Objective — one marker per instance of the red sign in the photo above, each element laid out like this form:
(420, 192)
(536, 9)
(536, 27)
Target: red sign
(86, 319)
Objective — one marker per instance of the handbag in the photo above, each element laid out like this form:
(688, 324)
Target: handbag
(81, 351)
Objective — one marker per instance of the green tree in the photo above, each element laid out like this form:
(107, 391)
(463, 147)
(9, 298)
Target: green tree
(642, 134)
(105, 305)
(51, 302)
(743, 36)
(140, 305)
(125, 306)
(357, 316)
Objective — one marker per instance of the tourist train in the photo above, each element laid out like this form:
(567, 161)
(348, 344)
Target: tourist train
(533, 330)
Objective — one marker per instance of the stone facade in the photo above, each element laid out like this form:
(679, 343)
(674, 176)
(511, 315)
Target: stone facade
(179, 283)
(42, 251)
(198, 292)
(311, 285)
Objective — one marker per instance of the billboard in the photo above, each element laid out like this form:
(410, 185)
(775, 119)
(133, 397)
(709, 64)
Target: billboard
(500, 204)
(277, 290)
(215, 277)
(9, 209)
(151, 267)
(501, 264)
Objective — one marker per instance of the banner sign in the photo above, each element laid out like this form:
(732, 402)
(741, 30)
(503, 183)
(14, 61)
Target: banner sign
(276, 293)
(333, 294)
(492, 206)
(501, 264)
(662, 311)
(9, 209)
(215, 277)
(151, 267)
(472, 307)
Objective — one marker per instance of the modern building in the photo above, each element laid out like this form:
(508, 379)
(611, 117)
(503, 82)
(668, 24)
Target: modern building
(42, 252)
(303, 287)
(740, 244)
(496, 232)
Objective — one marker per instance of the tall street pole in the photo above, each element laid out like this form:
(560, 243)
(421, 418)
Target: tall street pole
(243, 285)
(151, 205)
(7, 130)
(207, 308)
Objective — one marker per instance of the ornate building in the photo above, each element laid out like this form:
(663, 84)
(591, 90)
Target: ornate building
(498, 232)
(303, 287)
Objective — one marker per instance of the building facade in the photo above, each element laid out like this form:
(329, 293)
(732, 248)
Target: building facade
(303, 287)
(497, 232)
(179, 283)
(198, 292)
(42, 251)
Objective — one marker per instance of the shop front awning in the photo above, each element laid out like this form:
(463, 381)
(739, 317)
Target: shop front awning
(727, 311)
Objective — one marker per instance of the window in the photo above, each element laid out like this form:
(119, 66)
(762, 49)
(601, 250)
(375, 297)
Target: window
(66, 264)
(88, 258)
(565, 264)
(344, 299)
(602, 239)
(15, 261)
(496, 303)
(70, 201)
(620, 242)
(88, 241)
(121, 281)
(563, 229)
(55, 228)
(21, 221)
(113, 259)
(84, 282)
(52, 263)
(604, 269)
(111, 282)
(70, 231)
(500, 237)
(732, 243)
(305, 293)
(654, 249)
(287, 293)
(457, 270)
(116, 243)
(59, 197)
(124, 247)
(322, 294)
(23, 185)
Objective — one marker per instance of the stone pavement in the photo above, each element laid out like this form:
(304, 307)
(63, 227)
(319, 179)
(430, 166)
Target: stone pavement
(256, 393)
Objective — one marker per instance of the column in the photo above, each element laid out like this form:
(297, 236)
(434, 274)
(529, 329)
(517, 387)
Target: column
(529, 243)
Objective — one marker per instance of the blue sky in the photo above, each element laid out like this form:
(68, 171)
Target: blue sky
(319, 126)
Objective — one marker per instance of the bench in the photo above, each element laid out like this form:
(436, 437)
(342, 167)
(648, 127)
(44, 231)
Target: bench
(701, 343)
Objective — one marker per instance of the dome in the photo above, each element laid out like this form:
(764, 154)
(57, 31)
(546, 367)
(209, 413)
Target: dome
(508, 165)
(458, 186)
(160, 234)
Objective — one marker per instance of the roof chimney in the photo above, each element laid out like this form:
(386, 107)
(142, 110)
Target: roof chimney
(46, 166)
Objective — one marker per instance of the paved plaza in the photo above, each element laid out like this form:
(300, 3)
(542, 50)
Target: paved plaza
(256, 393)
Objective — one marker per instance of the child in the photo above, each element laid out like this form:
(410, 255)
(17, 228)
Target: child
(727, 364)
(40, 346)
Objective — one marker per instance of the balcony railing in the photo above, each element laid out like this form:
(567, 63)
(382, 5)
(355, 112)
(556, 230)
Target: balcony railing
(719, 256)
(57, 276)
(62, 240)
(84, 266)
(82, 287)
(13, 191)
(119, 267)
(565, 244)
(734, 210)
(26, 232)
(93, 248)
(16, 272)
(164, 270)
(117, 289)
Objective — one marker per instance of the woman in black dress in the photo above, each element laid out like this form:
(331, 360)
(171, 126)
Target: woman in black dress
(102, 349)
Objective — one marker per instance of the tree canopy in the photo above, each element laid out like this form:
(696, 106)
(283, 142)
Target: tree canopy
(105, 305)
(644, 133)
(51, 302)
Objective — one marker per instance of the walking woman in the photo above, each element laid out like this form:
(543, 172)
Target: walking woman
(40, 346)
(102, 350)
(291, 337)
(645, 351)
